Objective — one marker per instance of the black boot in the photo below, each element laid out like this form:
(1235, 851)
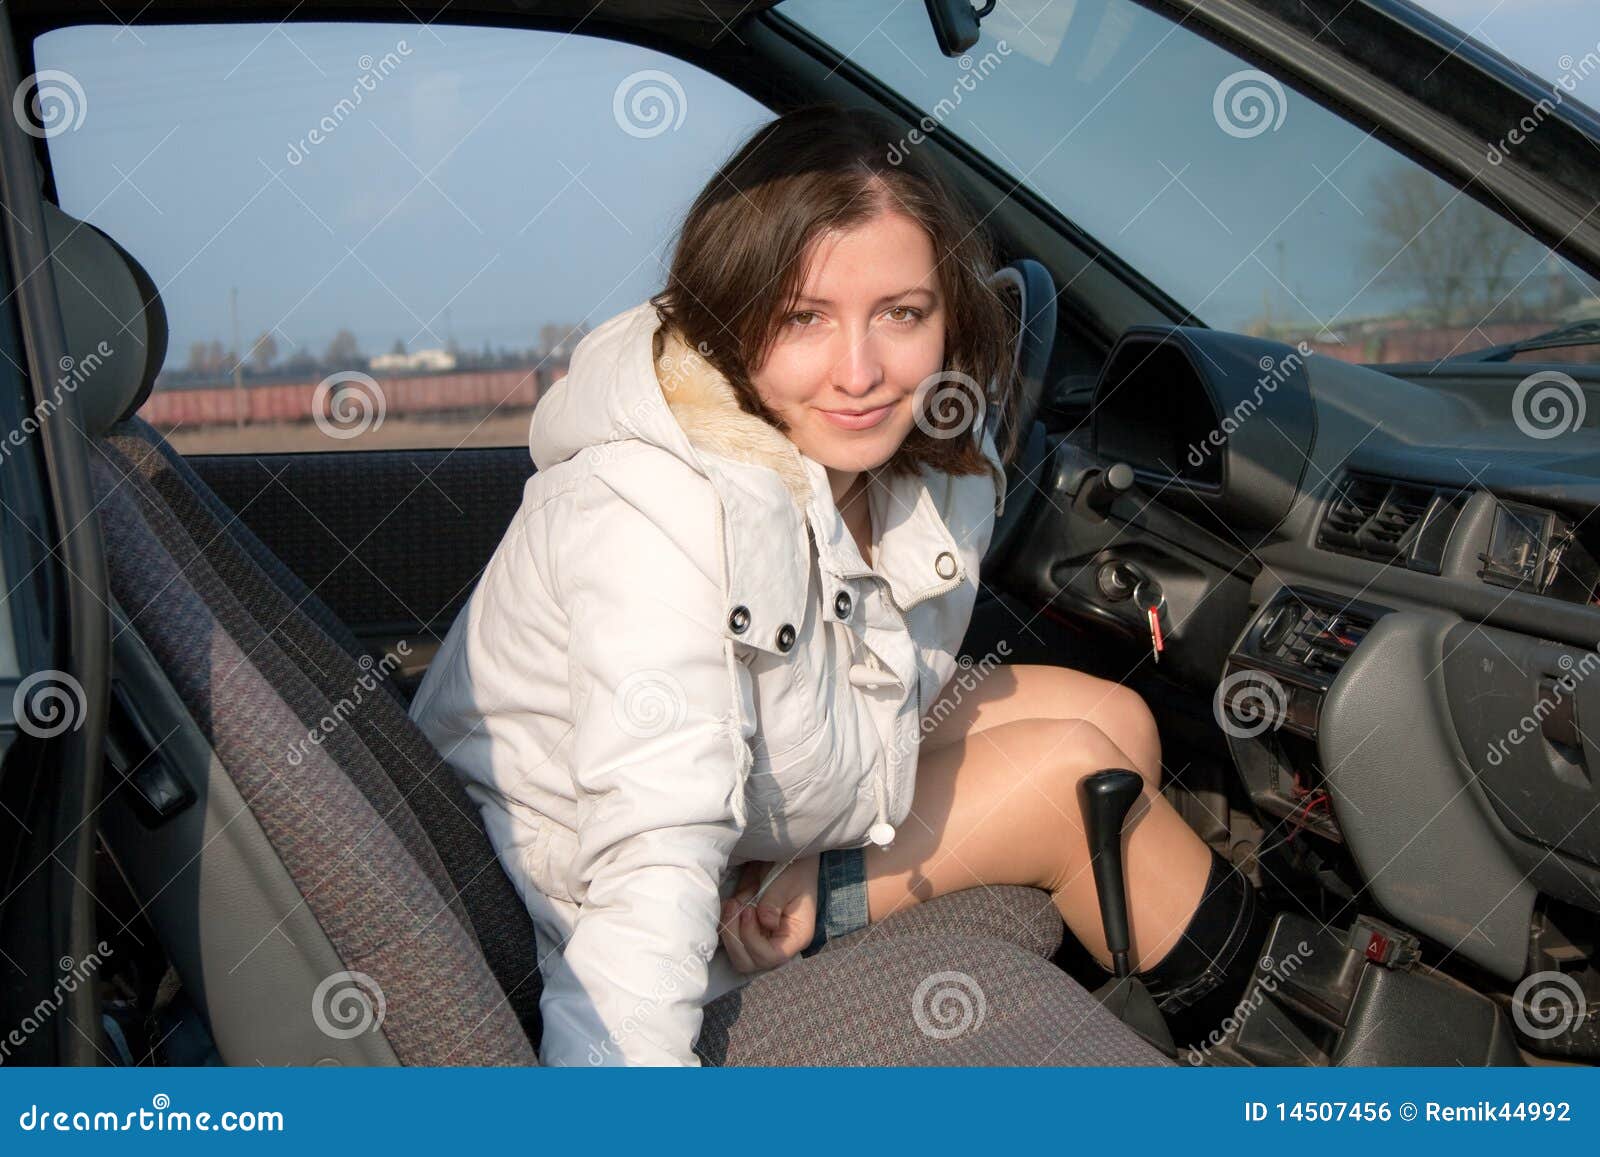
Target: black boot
(1202, 979)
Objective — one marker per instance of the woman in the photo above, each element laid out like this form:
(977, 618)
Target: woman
(704, 658)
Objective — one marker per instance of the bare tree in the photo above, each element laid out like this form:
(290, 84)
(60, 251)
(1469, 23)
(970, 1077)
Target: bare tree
(343, 350)
(263, 353)
(1456, 261)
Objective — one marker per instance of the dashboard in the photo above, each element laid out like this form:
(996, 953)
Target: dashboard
(1391, 583)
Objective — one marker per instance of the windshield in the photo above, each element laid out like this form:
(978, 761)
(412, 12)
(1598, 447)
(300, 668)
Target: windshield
(1253, 207)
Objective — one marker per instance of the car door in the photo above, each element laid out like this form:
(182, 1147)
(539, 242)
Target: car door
(54, 643)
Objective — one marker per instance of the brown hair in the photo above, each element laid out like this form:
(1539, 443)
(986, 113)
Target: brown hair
(739, 263)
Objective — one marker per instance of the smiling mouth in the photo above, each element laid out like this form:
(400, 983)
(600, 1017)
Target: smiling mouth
(857, 413)
(858, 419)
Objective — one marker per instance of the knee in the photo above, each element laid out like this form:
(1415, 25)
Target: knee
(1130, 724)
(1117, 711)
(1076, 748)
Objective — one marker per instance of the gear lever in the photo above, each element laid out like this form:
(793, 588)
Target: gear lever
(1107, 797)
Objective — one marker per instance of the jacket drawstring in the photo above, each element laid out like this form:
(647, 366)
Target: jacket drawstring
(871, 677)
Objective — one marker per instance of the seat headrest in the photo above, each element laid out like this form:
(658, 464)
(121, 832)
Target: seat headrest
(116, 328)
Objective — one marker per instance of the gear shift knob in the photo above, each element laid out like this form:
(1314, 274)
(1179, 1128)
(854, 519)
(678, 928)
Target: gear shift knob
(1106, 797)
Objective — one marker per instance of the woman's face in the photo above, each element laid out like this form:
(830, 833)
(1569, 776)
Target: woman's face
(866, 331)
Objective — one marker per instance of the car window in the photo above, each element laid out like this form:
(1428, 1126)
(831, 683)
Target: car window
(1250, 205)
(371, 235)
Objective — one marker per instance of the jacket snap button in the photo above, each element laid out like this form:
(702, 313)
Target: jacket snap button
(881, 834)
(945, 564)
(785, 637)
(841, 604)
(739, 620)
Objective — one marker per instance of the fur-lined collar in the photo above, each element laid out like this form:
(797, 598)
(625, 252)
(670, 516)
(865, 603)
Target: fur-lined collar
(705, 406)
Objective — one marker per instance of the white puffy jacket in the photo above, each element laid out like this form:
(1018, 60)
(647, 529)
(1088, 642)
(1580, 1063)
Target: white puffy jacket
(677, 661)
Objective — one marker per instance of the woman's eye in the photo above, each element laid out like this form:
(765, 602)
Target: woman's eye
(915, 314)
(806, 313)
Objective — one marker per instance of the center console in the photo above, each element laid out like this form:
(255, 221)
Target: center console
(1270, 698)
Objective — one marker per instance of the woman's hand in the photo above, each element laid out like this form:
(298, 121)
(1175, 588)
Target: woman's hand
(772, 931)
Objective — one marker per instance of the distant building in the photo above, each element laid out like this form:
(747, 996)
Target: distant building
(427, 361)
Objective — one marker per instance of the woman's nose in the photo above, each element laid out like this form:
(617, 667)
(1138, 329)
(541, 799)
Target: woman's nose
(858, 369)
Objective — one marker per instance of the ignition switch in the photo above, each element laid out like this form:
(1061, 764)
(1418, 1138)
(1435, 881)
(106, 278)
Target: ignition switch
(1116, 580)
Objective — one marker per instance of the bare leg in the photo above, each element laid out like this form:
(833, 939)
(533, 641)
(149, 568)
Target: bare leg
(996, 803)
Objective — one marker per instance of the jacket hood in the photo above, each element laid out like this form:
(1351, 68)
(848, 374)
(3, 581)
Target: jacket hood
(631, 378)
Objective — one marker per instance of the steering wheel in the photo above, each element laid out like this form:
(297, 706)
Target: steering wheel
(1030, 290)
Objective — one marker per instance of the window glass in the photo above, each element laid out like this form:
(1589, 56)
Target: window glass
(371, 235)
(1253, 207)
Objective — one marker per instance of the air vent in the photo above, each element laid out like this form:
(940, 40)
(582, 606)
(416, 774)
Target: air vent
(1390, 521)
(1314, 637)
(1353, 507)
(1401, 510)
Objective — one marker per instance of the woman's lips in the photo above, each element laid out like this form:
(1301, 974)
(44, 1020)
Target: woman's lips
(861, 421)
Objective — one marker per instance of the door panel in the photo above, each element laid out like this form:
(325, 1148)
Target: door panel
(392, 540)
